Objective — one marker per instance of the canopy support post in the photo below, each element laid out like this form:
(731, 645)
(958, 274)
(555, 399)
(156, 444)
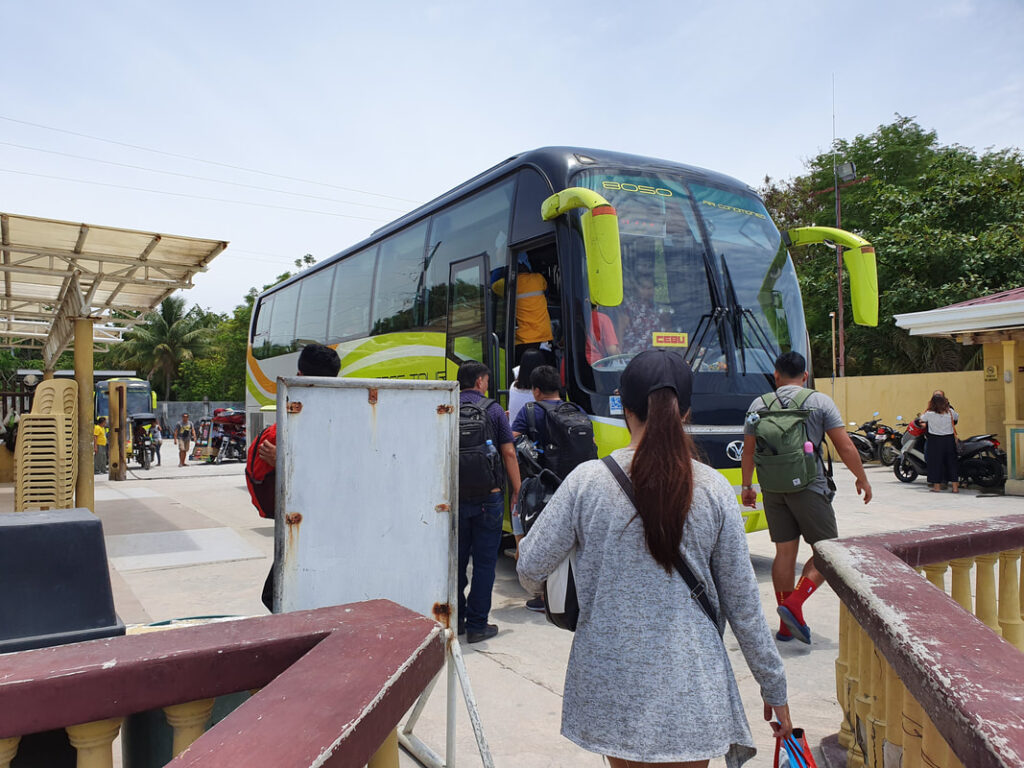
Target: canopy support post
(84, 487)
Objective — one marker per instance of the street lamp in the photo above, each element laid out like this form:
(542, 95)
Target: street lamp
(845, 171)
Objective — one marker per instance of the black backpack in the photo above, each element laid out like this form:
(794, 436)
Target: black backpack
(480, 467)
(534, 494)
(570, 435)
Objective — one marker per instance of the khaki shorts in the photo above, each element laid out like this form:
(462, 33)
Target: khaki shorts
(805, 513)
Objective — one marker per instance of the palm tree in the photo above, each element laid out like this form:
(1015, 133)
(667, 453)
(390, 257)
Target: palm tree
(166, 338)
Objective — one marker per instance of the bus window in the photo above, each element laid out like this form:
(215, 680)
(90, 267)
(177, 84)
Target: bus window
(261, 333)
(350, 300)
(282, 323)
(476, 227)
(399, 278)
(311, 324)
(527, 224)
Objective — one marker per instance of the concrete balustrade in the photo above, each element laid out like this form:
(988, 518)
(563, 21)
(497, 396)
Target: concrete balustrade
(1009, 599)
(8, 749)
(842, 675)
(302, 664)
(961, 587)
(94, 741)
(188, 721)
(986, 592)
(904, 640)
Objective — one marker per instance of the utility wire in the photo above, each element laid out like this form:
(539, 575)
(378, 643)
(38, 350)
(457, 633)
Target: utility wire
(199, 178)
(194, 197)
(201, 160)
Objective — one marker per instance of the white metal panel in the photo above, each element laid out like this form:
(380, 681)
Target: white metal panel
(366, 491)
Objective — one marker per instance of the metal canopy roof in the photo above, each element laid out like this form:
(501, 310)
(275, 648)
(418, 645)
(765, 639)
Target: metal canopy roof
(54, 271)
(988, 318)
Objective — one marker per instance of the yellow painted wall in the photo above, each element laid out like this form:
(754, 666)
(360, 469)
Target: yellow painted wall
(906, 395)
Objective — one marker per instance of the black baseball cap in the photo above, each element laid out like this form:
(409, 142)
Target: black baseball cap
(652, 370)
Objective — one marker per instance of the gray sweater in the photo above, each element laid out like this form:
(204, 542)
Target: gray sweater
(649, 678)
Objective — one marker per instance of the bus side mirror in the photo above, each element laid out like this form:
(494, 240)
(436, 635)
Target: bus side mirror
(859, 258)
(600, 240)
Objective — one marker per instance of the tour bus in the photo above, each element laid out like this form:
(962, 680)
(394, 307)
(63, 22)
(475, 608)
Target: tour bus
(636, 253)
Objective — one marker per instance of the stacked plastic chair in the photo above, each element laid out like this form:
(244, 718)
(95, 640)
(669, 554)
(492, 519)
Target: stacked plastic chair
(46, 455)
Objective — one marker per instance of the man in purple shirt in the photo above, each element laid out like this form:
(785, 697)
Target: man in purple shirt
(480, 521)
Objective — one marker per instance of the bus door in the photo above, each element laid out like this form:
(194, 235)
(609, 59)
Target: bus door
(469, 336)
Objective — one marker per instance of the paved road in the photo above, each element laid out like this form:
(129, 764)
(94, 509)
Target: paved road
(186, 542)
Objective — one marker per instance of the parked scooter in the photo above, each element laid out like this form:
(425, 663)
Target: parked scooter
(863, 439)
(982, 462)
(876, 441)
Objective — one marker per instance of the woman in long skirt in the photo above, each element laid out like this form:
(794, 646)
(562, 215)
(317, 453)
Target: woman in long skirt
(940, 453)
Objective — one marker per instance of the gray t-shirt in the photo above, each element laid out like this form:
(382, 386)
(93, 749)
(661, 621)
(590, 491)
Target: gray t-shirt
(823, 417)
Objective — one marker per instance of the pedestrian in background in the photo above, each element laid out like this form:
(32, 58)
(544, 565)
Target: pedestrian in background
(649, 680)
(183, 436)
(481, 499)
(99, 445)
(940, 448)
(158, 439)
(806, 513)
(521, 391)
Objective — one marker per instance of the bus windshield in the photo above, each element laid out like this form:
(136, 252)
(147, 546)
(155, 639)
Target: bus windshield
(703, 273)
(137, 396)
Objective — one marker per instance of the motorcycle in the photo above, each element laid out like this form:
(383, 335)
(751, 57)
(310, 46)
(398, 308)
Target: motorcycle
(140, 427)
(232, 448)
(865, 439)
(230, 440)
(981, 460)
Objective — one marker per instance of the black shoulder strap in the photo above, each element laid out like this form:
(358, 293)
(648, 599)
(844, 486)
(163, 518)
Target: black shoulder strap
(484, 403)
(697, 589)
(531, 419)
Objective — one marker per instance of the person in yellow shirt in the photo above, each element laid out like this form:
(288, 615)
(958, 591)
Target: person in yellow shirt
(533, 323)
(99, 445)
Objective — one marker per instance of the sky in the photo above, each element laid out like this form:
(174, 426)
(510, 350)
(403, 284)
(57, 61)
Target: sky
(299, 128)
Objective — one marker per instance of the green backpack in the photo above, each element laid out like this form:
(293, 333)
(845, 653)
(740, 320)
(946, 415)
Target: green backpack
(782, 464)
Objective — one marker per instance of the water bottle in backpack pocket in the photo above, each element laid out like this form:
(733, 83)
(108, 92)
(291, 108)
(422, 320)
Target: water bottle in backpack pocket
(480, 467)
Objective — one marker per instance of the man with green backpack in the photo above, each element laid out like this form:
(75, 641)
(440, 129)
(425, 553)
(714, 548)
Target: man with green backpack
(783, 437)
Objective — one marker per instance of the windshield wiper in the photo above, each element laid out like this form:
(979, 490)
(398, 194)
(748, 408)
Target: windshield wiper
(737, 313)
(696, 352)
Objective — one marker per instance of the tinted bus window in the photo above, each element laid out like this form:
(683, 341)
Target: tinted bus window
(527, 224)
(261, 333)
(399, 281)
(282, 323)
(477, 226)
(350, 302)
(314, 299)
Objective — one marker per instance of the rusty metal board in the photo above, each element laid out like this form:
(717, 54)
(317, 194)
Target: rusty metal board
(366, 493)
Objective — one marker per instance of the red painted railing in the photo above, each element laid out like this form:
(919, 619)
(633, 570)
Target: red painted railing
(968, 680)
(333, 682)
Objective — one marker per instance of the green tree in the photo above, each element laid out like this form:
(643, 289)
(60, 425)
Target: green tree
(167, 337)
(230, 343)
(947, 224)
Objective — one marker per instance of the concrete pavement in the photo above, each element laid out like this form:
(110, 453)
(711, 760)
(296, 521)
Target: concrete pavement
(186, 542)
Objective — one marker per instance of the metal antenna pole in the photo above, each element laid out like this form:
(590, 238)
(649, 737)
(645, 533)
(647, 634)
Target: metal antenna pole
(839, 248)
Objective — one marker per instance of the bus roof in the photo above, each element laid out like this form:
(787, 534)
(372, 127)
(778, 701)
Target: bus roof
(554, 163)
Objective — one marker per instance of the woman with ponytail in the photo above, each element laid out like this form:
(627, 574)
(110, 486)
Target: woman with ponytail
(649, 680)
